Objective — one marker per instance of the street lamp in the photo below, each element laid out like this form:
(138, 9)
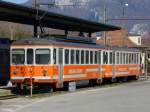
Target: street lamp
(104, 20)
(123, 5)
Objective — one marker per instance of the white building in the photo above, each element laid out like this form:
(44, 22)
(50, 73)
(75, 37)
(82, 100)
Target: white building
(136, 39)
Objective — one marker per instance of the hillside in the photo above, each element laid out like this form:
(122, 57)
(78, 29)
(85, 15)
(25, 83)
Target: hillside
(93, 10)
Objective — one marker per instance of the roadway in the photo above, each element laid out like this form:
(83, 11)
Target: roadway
(129, 97)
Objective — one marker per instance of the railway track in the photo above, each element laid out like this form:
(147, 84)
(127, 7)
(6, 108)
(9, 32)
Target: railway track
(62, 91)
(82, 88)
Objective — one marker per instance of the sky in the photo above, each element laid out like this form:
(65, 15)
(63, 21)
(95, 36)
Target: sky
(16, 1)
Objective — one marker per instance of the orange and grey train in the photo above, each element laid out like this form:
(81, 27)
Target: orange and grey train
(51, 62)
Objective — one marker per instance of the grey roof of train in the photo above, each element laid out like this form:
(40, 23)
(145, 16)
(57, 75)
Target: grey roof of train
(37, 41)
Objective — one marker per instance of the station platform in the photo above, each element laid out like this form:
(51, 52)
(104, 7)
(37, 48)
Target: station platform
(5, 91)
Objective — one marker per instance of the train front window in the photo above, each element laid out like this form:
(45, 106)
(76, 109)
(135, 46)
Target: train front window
(42, 56)
(18, 56)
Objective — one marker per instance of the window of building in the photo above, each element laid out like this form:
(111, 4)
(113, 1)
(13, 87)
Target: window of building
(139, 40)
(42, 56)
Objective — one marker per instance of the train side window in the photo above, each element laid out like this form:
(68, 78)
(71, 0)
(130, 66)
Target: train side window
(77, 56)
(96, 57)
(42, 56)
(30, 56)
(72, 57)
(87, 57)
(130, 58)
(134, 57)
(105, 57)
(66, 56)
(113, 61)
(91, 57)
(99, 57)
(137, 58)
(117, 58)
(120, 58)
(55, 56)
(124, 58)
(82, 57)
(111, 58)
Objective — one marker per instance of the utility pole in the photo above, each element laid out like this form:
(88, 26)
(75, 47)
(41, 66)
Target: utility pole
(36, 18)
(11, 31)
(104, 19)
(146, 64)
(123, 5)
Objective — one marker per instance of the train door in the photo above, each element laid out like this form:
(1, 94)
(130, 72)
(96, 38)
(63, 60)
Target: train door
(60, 64)
(113, 66)
(30, 61)
(99, 68)
(99, 63)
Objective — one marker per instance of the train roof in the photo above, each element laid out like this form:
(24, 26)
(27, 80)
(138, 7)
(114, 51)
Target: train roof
(27, 15)
(48, 41)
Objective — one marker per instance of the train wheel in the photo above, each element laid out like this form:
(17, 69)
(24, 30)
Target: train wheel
(135, 77)
(66, 86)
(124, 79)
(99, 81)
(92, 82)
(113, 79)
(59, 85)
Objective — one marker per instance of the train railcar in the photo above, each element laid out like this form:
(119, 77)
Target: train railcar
(4, 60)
(55, 63)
